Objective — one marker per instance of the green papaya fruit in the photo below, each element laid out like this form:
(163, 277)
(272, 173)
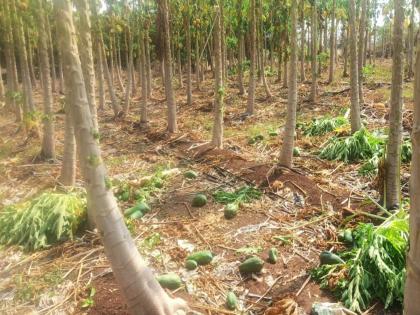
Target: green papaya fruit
(251, 265)
(199, 200)
(328, 258)
(272, 255)
(231, 210)
(203, 257)
(170, 281)
(191, 264)
(231, 301)
(191, 174)
(125, 196)
(136, 215)
(296, 151)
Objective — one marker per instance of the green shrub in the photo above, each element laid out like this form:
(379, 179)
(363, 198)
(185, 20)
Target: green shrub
(319, 127)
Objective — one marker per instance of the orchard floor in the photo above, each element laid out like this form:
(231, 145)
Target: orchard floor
(305, 205)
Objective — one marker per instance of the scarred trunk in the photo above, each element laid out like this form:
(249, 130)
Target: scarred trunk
(314, 53)
(48, 139)
(393, 156)
(86, 56)
(143, 294)
(361, 50)
(188, 44)
(302, 40)
(286, 154)
(251, 87)
(68, 167)
(332, 45)
(167, 61)
(143, 65)
(354, 85)
(412, 284)
(217, 139)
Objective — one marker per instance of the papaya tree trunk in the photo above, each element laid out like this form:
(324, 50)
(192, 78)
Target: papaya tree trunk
(167, 62)
(48, 138)
(188, 44)
(332, 45)
(412, 284)
(302, 41)
(314, 53)
(286, 153)
(143, 294)
(354, 79)
(86, 56)
(393, 154)
(361, 50)
(253, 48)
(217, 139)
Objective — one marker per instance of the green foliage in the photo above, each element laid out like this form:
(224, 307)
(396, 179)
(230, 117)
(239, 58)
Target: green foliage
(370, 167)
(319, 127)
(242, 195)
(43, 221)
(374, 268)
(360, 146)
(89, 302)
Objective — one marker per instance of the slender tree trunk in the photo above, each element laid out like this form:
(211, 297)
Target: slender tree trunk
(302, 41)
(354, 85)
(188, 44)
(410, 50)
(128, 88)
(68, 167)
(23, 61)
(412, 284)
(148, 62)
(262, 57)
(253, 44)
(314, 52)
(142, 292)
(60, 75)
(223, 40)
(48, 139)
(197, 61)
(143, 64)
(285, 67)
(361, 51)
(30, 53)
(393, 154)
(52, 57)
(346, 50)
(332, 45)
(181, 83)
(86, 57)
(217, 139)
(286, 153)
(114, 102)
(241, 48)
(100, 75)
(167, 61)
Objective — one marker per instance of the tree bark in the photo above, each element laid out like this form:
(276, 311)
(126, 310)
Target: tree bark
(393, 154)
(29, 106)
(302, 40)
(52, 58)
(361, 50)
(262, 55)
(286, 154)
(142, 292)
(332, 45)
(188, 44)
(410, 50)
(354, 85)
(128, 88)
(412, 284)
(253, 44)
(68, 167)
(167, 61)
(345, 36)
(143, 64)
(48, 139)
(217, 139)
(86, 57)
(314, 53)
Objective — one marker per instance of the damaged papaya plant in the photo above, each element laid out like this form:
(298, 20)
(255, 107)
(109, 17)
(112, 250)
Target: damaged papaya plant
(374, 265)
